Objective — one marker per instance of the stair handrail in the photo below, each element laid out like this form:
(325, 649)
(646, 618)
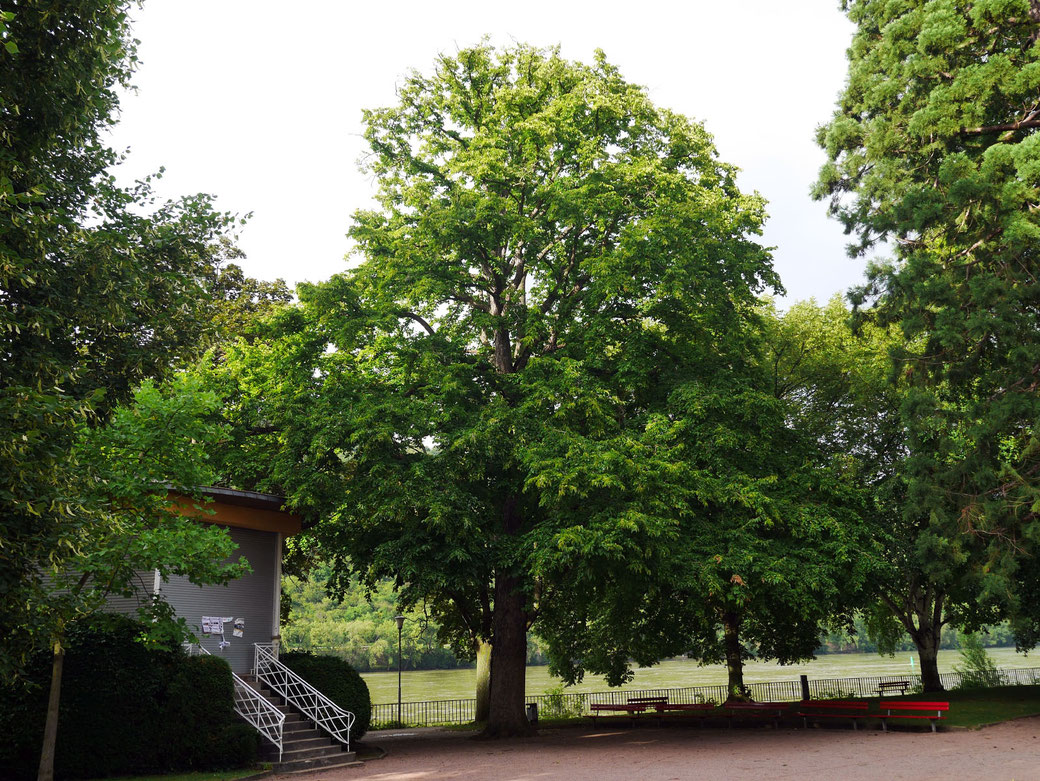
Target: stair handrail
(298, 693)
(252, 706)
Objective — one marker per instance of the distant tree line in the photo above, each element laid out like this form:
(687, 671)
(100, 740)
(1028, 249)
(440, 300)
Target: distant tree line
(362, 631)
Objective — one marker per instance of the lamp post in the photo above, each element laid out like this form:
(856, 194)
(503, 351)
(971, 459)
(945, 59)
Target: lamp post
(400, 625)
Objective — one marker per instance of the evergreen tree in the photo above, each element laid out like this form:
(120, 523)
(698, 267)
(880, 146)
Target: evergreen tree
(933, 150)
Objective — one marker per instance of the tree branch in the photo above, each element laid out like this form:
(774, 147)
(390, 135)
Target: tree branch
(1031, 121)
(420, 321)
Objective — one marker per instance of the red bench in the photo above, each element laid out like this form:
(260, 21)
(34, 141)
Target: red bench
(833, 709)
(933, 711)
(631, 709)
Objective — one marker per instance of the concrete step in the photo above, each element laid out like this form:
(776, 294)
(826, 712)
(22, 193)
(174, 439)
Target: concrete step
(306, 768)
(314, 741)
(290, 754)
(300, 725)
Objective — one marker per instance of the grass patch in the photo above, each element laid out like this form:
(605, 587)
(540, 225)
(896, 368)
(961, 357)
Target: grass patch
(977, 707)
(206, 775)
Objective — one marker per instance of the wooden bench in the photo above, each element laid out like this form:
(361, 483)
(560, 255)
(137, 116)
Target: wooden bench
(701, 707)
(599, 709)
(933, 711)
(833, 709)
(651, 702)
(890, 686)
(756, 710)
(655, 706)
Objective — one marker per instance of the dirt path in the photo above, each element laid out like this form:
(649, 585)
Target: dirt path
(1008, 752)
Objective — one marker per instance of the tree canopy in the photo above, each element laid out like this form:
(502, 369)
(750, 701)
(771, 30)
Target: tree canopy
(552, 259)
(933, 150)
(100, 286)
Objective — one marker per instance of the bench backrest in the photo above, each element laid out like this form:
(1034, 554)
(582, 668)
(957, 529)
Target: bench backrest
(904, 705)
(836, 704)
(647, 700)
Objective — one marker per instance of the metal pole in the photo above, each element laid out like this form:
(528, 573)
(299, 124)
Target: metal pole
(400, 625)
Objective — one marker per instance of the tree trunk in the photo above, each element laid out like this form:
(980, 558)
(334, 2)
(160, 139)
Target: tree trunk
(483, 704)
(734, 660)
(50, 729)
(923, 619)
(927, 641)
(506, 716)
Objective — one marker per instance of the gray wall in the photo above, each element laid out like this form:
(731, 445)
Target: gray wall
(251, 597)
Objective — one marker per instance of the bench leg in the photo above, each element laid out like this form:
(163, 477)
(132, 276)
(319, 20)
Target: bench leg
(854, 726)
(933, 725)
(884, 725)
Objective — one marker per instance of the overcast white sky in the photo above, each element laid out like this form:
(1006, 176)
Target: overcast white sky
(260, 104)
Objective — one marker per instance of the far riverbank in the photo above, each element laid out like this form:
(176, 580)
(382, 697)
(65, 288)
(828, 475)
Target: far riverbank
(419, 685)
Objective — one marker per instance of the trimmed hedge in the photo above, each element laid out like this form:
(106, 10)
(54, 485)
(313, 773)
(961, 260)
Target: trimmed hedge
(125, 708)
(338, 681)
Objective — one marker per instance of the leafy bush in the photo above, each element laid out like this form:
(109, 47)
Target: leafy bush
(201, 730)
(126, 707)
(338, 681)
(557, 705)
(979, 671)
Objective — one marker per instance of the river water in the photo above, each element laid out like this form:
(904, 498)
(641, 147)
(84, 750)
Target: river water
(420, 685)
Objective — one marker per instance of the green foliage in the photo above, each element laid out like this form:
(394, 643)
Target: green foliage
(978, 669)
(361, 630)
(771, 541)
(201, 730)
(481, 406)
(880, 632)
(934, 150)
(557, 705)
(338, 681)
(100, 286)
(159, 440)
(124, 702)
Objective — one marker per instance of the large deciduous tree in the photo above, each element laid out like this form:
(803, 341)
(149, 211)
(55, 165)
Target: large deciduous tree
(551, 257)
(99, 286)
(934, 150)
(772, 542)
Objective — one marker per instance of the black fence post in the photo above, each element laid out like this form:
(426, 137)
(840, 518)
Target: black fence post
(805, 687)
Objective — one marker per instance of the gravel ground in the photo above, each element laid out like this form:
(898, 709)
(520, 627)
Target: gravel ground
(1009, 751)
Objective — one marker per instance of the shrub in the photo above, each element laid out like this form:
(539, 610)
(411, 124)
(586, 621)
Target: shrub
(126, 707)
(202, 731)
(338, 681)
(557, 705)
(979, 671)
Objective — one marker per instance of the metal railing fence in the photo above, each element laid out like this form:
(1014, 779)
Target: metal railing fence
(461, 711)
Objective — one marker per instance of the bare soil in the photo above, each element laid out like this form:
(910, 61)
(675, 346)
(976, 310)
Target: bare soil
(1008, 751)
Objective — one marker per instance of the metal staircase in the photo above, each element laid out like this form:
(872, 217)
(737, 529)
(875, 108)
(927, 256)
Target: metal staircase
(303, 729)
(304, 746)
